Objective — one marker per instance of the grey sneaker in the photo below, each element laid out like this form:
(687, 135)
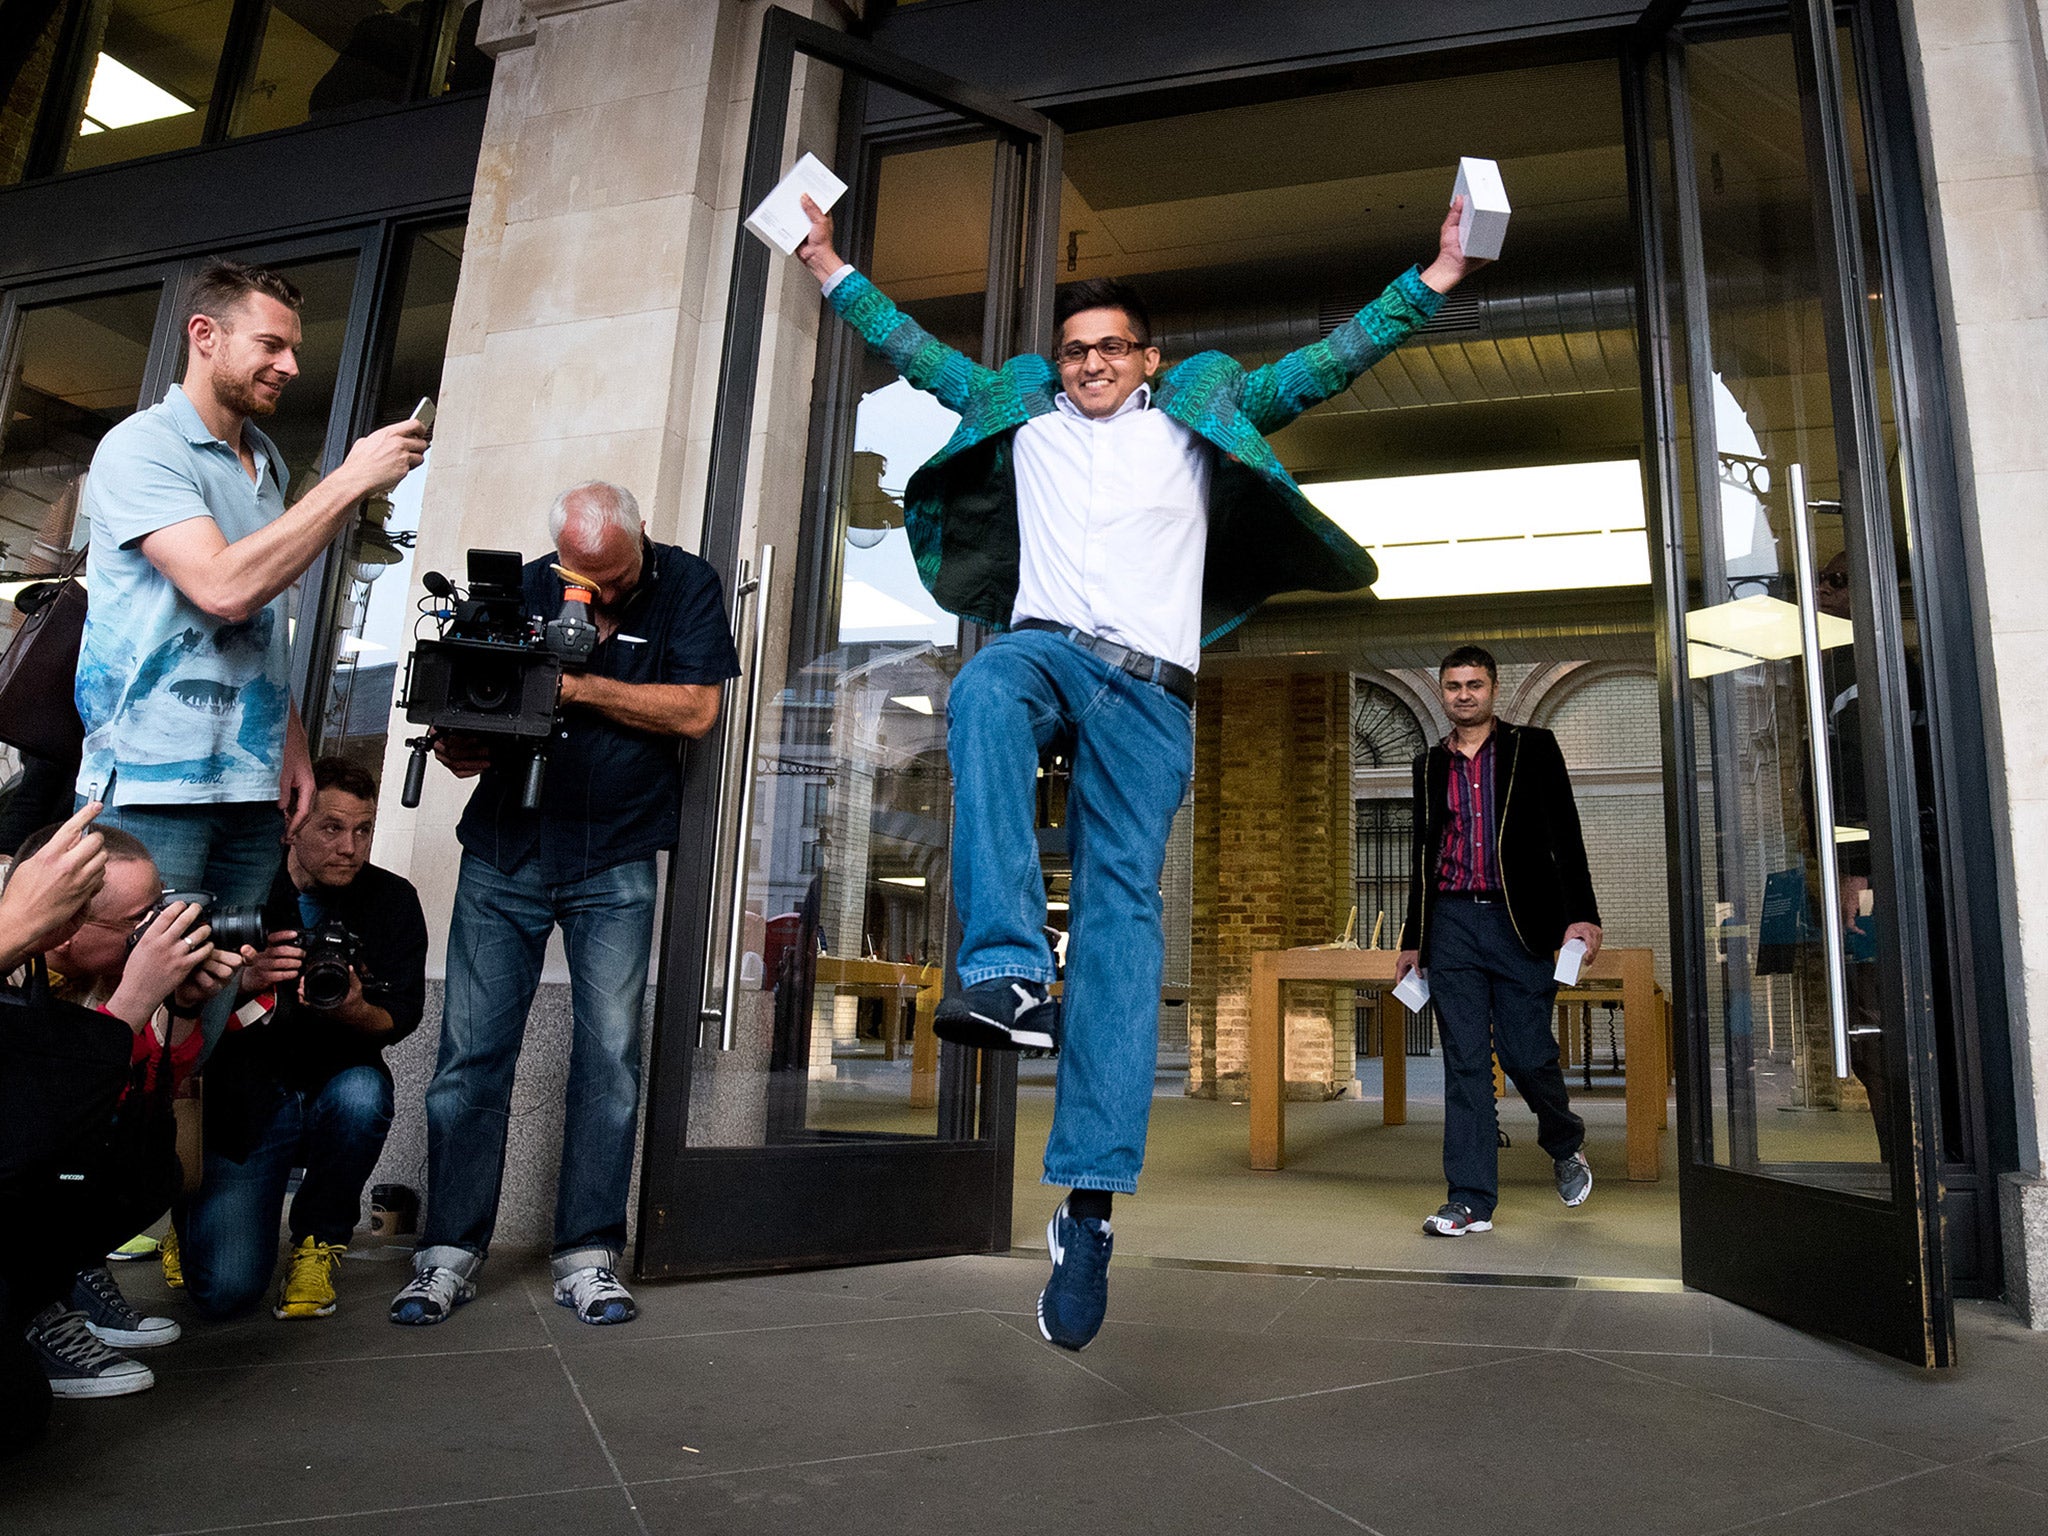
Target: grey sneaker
(110, 1317)
(1453, 1219)
(76, 1363)
(1574, 1179)
(433, 1293)
(596, 1296)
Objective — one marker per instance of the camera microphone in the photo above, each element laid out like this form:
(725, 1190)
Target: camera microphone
(437, 584)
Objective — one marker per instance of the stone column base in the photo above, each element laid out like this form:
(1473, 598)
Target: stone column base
(2023, 1226)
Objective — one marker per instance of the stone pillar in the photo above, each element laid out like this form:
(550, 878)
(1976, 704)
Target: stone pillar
(1273, 869)
(1979, 70)
(585, 344)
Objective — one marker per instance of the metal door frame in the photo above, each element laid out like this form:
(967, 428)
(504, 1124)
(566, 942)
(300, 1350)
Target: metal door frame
(707, 1210)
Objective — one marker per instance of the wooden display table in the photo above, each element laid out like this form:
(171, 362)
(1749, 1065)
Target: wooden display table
(1648, 1067)
(896, 983)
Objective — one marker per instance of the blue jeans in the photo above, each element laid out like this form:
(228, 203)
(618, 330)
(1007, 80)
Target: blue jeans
(496, 944)
(1493, 998)
(1133, 757)
(228, 1232)
(231, 850)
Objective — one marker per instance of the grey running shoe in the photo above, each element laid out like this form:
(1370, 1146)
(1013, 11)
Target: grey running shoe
(76, 1363)
(434, 1292)
(1455, 1220)
(596, 1296)
(1574, 1179)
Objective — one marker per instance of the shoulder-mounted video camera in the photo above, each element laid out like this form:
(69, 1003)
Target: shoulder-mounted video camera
(494, 670)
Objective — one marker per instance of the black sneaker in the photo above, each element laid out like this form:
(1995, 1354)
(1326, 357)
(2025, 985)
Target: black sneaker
(112, 1319)
(1072, 1305)
(1455, 1220)
(1006, 1014)
(76, 1363)
(1574, 1179)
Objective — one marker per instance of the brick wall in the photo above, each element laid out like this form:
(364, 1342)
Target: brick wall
(19, 108)
(1272, 854)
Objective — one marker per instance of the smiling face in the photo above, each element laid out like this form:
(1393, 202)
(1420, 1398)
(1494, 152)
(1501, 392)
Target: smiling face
(1099, 384)
(1467, 694)
(248, 355)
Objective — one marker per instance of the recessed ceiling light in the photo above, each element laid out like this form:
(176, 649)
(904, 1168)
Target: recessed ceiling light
(121, 98)
(1542, 528)
(917, 703)
(915, 882)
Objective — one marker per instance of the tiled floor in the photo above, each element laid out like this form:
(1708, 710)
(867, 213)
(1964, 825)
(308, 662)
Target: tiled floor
(918, 1398)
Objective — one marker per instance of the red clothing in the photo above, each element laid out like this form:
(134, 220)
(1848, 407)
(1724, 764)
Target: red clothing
(184, 1057)
(1468, 860)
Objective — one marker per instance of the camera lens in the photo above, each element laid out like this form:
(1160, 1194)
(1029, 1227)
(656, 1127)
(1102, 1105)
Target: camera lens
(234, 927)
(324, 982)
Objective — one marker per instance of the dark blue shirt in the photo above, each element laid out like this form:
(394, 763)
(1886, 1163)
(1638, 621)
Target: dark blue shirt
(611, 792)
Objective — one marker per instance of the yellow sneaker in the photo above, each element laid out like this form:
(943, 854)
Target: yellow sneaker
(309, 1284)
(174, 1267)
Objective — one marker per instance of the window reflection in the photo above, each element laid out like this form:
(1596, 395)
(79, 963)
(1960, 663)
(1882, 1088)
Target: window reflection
(153, 68)
(367, 635)
(77, 369)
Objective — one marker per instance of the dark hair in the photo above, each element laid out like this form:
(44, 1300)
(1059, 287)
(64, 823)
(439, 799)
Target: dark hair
(220, 285)
(122, 847)
(349, 777)
(1102, 293)
(1469, 656)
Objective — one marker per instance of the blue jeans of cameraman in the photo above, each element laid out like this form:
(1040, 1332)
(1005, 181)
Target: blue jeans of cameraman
(228, 1232)
(1133, 758)
(496, 945)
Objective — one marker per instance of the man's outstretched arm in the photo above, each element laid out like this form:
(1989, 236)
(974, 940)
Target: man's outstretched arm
(1277, 393)
(923, 360)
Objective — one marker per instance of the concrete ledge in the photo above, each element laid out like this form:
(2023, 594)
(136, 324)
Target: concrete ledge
(2023, 1223)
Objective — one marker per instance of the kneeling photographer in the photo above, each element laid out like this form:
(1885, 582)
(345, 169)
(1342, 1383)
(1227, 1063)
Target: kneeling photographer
(96, 1027)
(301, 1083)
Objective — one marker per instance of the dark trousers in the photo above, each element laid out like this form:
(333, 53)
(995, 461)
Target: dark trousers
(228, 1231)
(1492, 998)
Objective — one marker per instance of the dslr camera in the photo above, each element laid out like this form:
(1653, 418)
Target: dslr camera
(232, 927)
(331, 953)
(494, 670)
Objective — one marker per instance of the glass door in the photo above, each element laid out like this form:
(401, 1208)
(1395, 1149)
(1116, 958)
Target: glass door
(1808, 1180)
(803, 1112)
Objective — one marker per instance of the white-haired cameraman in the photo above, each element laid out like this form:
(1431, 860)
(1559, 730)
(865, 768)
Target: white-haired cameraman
(584, 862)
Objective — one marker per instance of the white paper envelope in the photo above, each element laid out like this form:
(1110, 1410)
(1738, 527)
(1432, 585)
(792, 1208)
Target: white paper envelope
(1570, 960)
(1413, 991)
(1483, 225)
(781, 220)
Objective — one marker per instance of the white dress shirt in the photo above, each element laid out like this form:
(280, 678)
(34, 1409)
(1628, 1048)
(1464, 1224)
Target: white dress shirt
(1113, 524)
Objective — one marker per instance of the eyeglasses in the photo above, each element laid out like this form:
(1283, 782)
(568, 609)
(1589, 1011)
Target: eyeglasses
(1075, 353)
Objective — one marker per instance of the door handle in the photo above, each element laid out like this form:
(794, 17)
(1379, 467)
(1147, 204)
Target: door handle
(1823, 782)
(761, 587)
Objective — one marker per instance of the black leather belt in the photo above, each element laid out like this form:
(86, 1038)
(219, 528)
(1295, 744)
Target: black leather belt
(1481, 898)
(1176, 680)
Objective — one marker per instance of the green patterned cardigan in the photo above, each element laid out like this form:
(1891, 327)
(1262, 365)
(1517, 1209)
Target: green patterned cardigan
(960, 508)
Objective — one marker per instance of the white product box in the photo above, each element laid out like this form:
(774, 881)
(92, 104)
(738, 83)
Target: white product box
(1570, 961)
(781, 220)
(1413, 991)
(1483, 225)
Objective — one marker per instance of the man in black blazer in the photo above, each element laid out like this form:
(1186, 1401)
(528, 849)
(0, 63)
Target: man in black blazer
(1499, 883)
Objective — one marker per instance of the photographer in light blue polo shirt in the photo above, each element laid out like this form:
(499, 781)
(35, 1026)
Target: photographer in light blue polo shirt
(191, 738)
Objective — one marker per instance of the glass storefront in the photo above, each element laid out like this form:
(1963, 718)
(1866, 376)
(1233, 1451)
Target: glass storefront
(368, 633)
(101, 82)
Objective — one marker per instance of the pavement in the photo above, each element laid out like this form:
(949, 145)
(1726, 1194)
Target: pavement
(912, 1398)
